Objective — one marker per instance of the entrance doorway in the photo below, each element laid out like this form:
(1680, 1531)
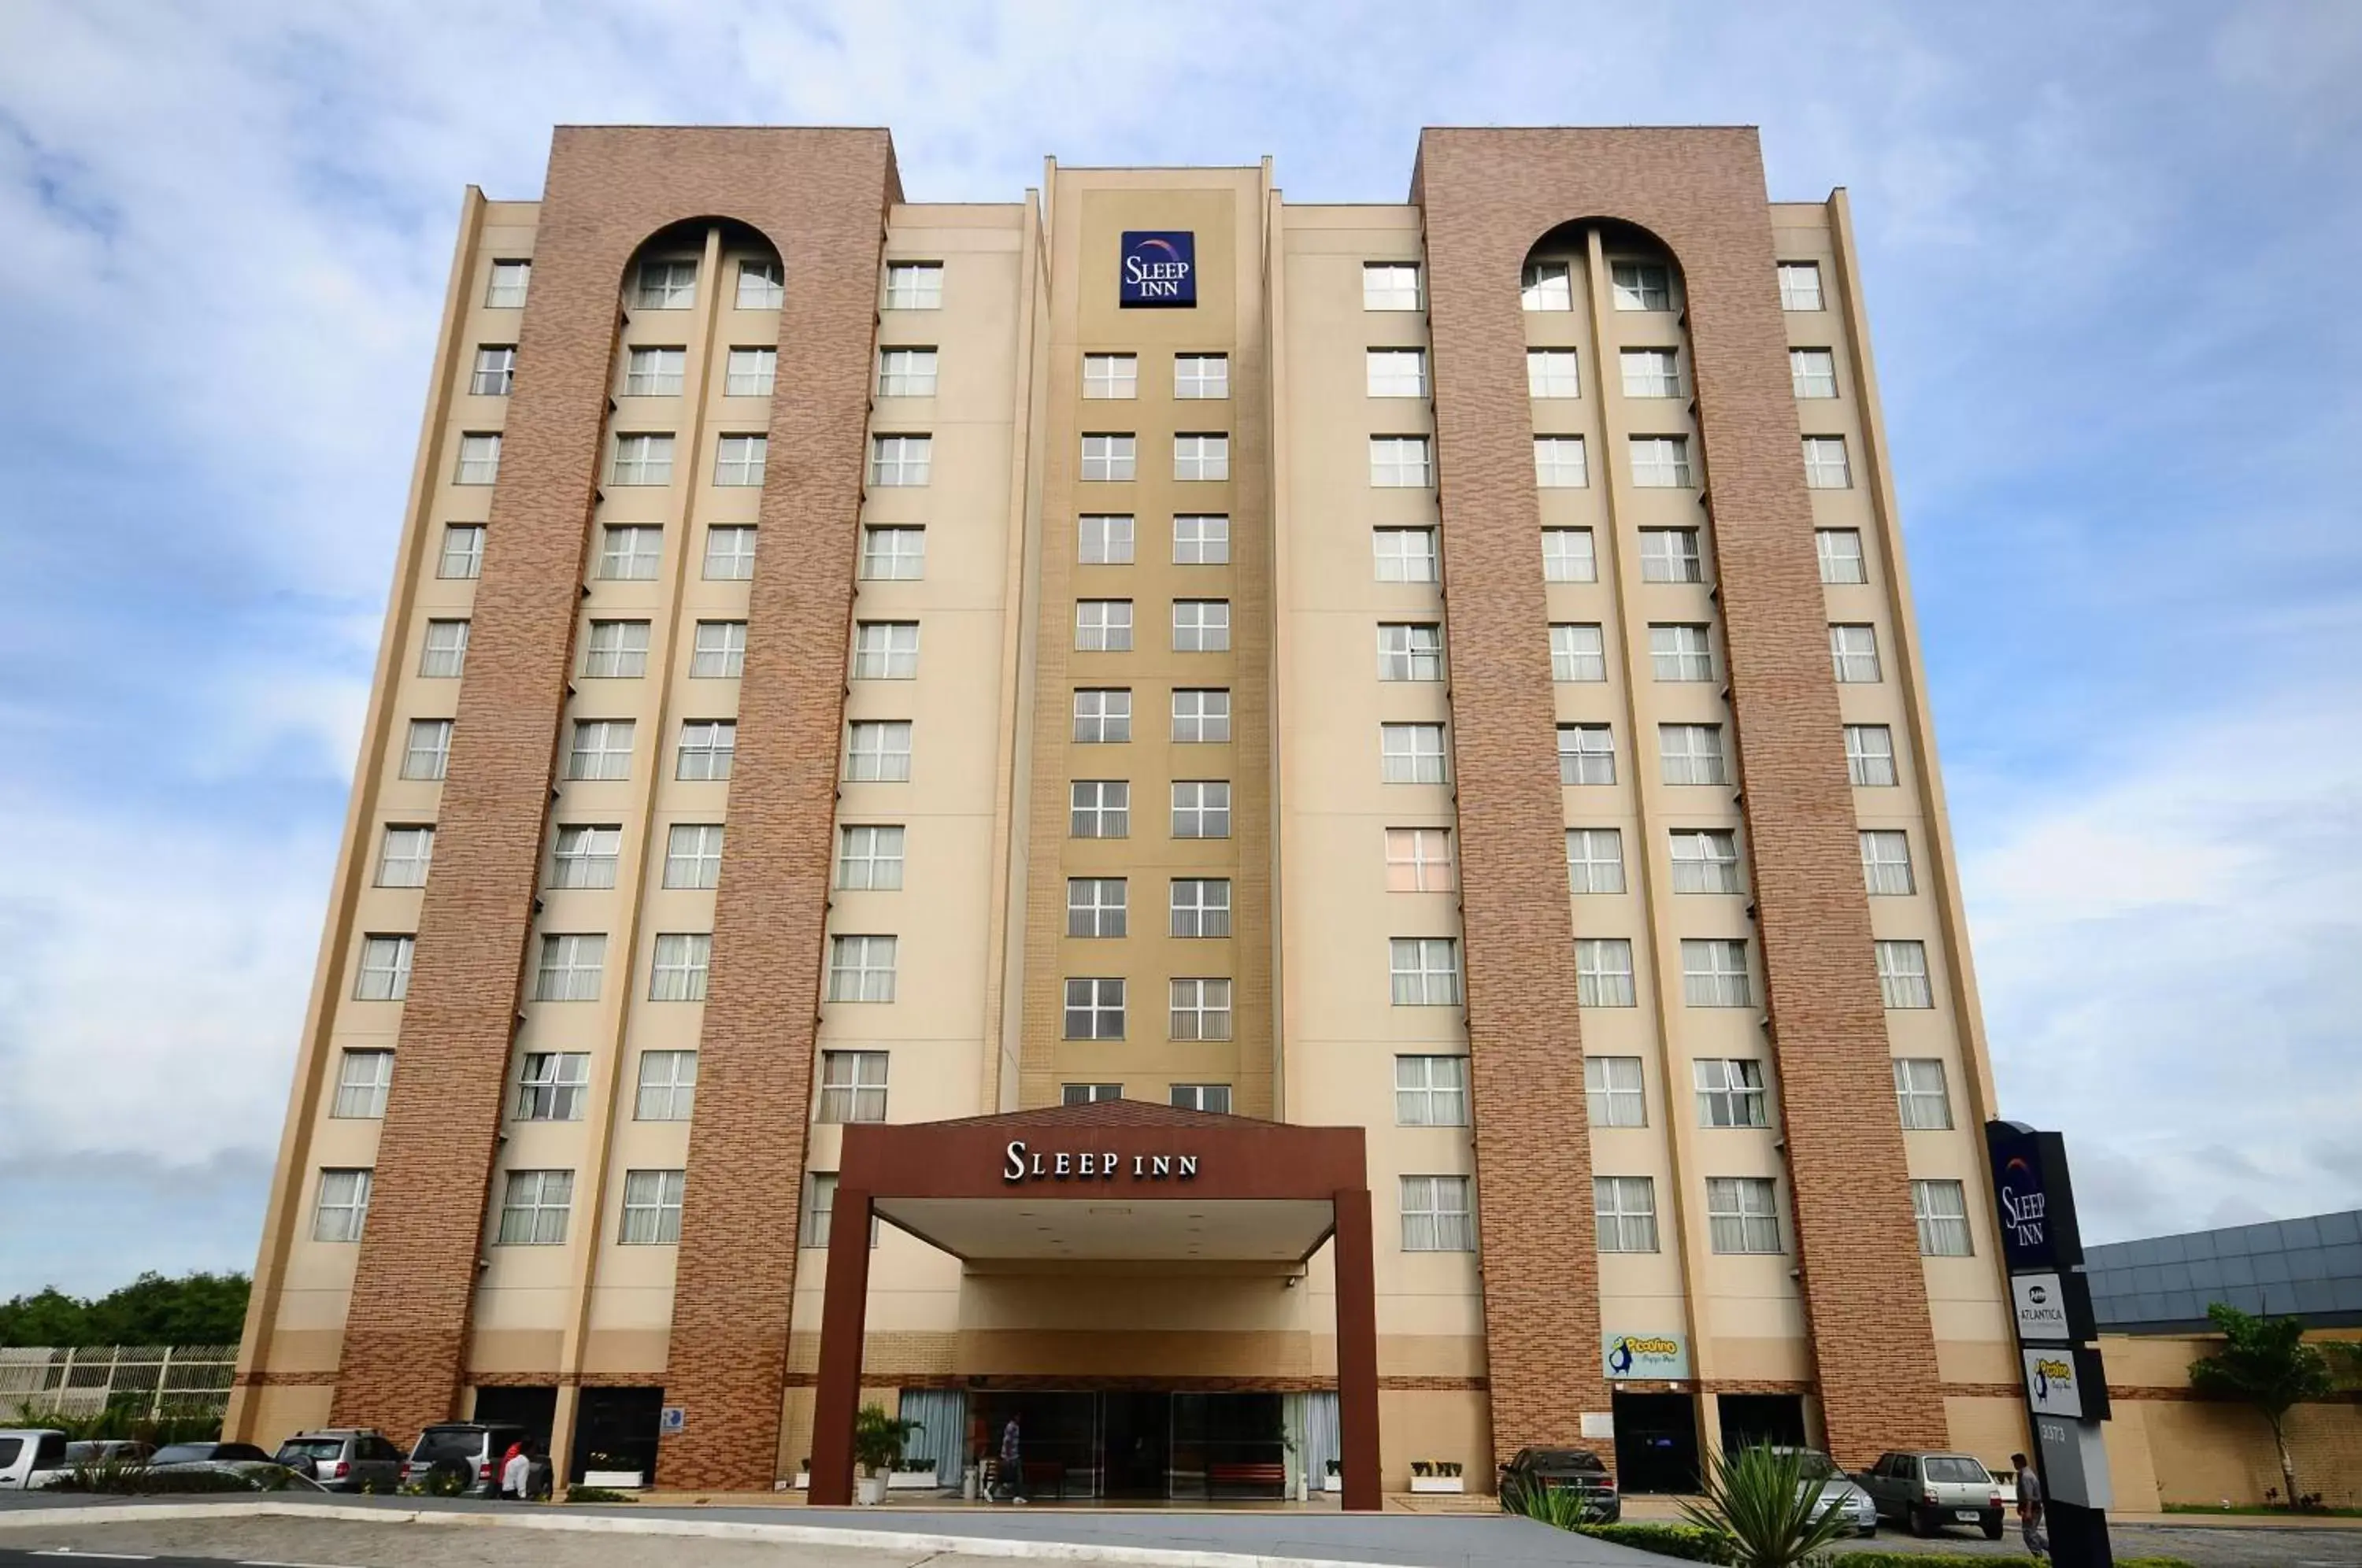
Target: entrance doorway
(1656, 1442)
(1136, 1444)
(1747, 1420)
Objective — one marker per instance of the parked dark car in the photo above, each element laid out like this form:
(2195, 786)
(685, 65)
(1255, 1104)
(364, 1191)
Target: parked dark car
(260, 1474)
(467, 1454)
(98, 1451)
(207, 1452)
(344, 1459)
(1562, 1469)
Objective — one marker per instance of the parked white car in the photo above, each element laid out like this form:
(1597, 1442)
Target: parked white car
(30, 1457)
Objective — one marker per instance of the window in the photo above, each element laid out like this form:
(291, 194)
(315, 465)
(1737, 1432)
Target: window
(1546, 286)
(1569, 555)
(1410, 650)
(1411, 753)
(852, 1086)
(1201, 1010)
(1558, 462)
(1626, 1207)
(1431, 1092)
(1199, 377)
(1853, 653)
(643, 458)
(1103, 625)
(893, 555)
(750, 372)
(1612, 1092)
(869, 857)
(1942, 1209)
(667, 1087)
(1919, 1095)
(1840, 553)
(1201, 538)
(762, 285)
(900, 459)
(1096, 906)
(652, 1198)
(1681, 653)
(1404, 555)
(719, 652)
(1670, 554)
(1652, 373)
(509, 283)
(877, 751)
(1102, 716)
(1395, 372)
(463, 551)
(665, 285)
(533, 1208)
(1705, 860)
(1602, 972)
(1200, 907)
(1692, 754)
(738, 460)
(362, 1079)
(602, 750)
(1435, 1217)
(1095, 1009)
(1389, 285)
(1586, 753)
(1201, 715)
(693, 855)
(1800, 285)
(1201, 456)
(861, 969)
(1813, 371)
(1202, 809)
(428, 750)
(1903, 975)
(403, 856)
(1098, 808)
(1109, 458)
(1641, 285)
(343, 1205)
(629, 553)
(1661, 462)
(495, 370)
(1107, 376)
(1594, 860)
(1886, 861)
(706, 746)
(1824, 463)
(552, 1086)
(729, 554)
(1418, 860)
(1103, 540)
(914, 285)
(385, 968)
(820, 1210)
(1088, 1094)
(1742, 1215)
(682, 959)
(1552, 372)
(1426, 971)
(1201, 625)
(480, 458)
(886, 650)
(1713, 974)
(616, 648)
(655, 372)
(583, 856)
(1870, 754)
(570, 967)
(1398, 462)
(1214, 1097)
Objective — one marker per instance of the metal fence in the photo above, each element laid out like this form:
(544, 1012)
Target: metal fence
(155, 1381)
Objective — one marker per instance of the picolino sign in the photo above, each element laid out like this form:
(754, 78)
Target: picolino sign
(1160, 268)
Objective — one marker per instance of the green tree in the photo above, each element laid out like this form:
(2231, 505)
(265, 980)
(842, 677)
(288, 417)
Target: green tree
(1768, 1512)
(2264, 1362)
(194, 1309)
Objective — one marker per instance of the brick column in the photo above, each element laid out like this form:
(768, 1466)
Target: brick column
(1357, 1353)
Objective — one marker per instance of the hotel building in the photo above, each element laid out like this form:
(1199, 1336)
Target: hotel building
(1324, 815)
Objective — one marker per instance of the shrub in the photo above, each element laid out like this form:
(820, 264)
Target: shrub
(1687, 1542)
(114, 1478)
(1761, 1503)
(1693, 1545)
(596, 1495)
(1876, 1559)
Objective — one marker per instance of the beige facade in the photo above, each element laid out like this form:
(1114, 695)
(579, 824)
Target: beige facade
(978, 618)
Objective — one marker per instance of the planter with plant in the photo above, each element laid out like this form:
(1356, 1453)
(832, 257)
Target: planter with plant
(1436, 1476)
(878, 1439)
(1334, 1478)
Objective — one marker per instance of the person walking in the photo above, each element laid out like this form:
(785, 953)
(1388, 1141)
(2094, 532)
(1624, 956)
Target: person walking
(2029, 1509)
(1012, 1462)
(515, 1473)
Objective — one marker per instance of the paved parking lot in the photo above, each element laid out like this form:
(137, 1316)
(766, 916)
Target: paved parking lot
(2208, 1547)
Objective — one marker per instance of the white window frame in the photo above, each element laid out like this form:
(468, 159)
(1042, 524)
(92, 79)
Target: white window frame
(406, 852)
(1103, 625)
(1661, 462)
(1904, 980)
(1714, 973)
(1681, 651)
(1410, 650)
(1423, 971)
(1671, 555)
(740, 460)
(1436, 1216)
(643, 458)
(693, 854)
(534, 1208)
(1941, 1208)
(852, 1087)
(1404, 555)
(494, 371)
(1102, 715)
(1418, 860)
(1602, 972)
(1413, 754)
(630, 552)
(1840, 553)
(1199, 1008)
(1561, 462)
(1586, 753)
(1201, 715)
(1202, 457)
(886, 650)
(1104, 538)
(906, 371)
(1401, 462)
(1813, 373)
(570, 967)
(1201, 625)
(1201, 538)
(861, 968)
(1395, 371)
(1705, 860)
(751, 371)
(552, 1086)
(1826, 466)
(708, 749)
(1570, 555)
(1098, 808)
(1594, 860)
(1546, 286)
(1923, 1100)
(869, 857)
(1430, 1091)
(1626, 1209)
(888, 554)
(600, 750)
(340, 1207)
(1201, 808)
(1095, 1003)
(383, 973)
(462, 557)
(1553, 373)
(651, 1211)
(683, 959)
(1110, 458)
(1110, 378)
(480, 458)
(1800, 285)
(364, 1078)
(1853, 653)
(508, 284)
(877, 751)
(1887, 863)
(1692, 754)
(1578, 651)
(1212, 1099)
(718, 650)
(666, 1088)
(1201, 378)
(585, 855)
(655, 371)
(1098, 907)
(914, 285)
(905, 460)
(1198, 908)
(1615, 1091)
(665, 282)
(1869, 755)
(1640, 285)
(1743, 1215)
(1391, 285)
(615, 651)
(1650, 372)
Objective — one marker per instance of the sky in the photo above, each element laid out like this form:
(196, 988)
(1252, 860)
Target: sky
(2109, 252)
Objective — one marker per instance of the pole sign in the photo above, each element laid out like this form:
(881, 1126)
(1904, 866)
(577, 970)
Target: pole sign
(2066, 1380)
(2031, 1197)
(1159, 270)
(2053, 1309)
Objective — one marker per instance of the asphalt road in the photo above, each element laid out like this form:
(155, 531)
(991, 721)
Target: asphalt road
(2209, 1547)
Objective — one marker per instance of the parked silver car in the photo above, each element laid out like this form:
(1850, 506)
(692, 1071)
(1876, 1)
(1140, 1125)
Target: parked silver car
(344, 1459)
(1835, 1488)
(1926, 1492)
(30, 1457)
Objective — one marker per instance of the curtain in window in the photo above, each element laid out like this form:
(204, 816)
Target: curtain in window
(942, 1440)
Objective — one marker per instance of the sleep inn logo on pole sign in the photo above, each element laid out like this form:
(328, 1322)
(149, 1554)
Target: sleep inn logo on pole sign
(1160, 269)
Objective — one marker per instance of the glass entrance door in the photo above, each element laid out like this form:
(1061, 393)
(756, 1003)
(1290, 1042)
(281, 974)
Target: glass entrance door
(1136, 1444)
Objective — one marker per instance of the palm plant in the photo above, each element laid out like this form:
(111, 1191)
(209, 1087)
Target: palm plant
(1562, 1508)
(1768, 1511)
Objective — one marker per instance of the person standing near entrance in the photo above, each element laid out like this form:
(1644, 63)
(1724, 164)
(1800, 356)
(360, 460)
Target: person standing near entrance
(2029, 1507)
(1012, 1463)
(515, 1472)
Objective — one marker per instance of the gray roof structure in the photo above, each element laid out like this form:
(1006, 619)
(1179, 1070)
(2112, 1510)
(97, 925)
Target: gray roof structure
(2310, 1268)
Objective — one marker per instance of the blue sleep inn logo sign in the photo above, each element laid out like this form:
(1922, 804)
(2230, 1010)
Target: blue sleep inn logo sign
(1160, 268)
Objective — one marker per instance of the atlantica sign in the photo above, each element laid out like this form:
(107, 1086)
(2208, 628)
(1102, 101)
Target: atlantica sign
(1020, 1164)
